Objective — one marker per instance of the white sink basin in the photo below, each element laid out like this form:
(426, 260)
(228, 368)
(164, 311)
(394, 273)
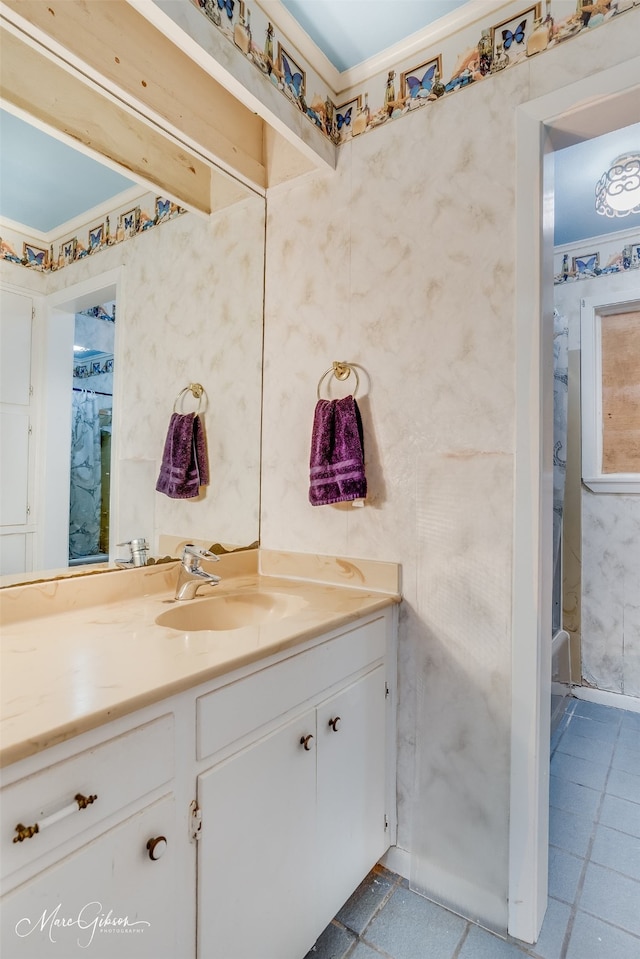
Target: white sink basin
(231, 611)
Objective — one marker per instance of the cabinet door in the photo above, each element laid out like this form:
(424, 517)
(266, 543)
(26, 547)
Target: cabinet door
(108, 899)
(256, 848)
(351, 833)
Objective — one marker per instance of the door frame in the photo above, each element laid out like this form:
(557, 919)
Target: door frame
(541, 125)
(60, 310)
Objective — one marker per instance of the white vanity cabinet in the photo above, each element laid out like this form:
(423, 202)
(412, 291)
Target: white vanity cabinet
(257, 849)
(229, 821)
(99, 872)
(294, 814)
(352, 816)
(108, 898)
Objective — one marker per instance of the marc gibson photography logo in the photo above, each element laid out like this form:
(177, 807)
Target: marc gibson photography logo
(90, 919)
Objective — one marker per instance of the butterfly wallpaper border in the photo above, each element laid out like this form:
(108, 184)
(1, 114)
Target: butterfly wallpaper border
(133, 216)
(426, 65)
(98, 237)
(584, 258)
(285, 56)
(68, 250)
(35, 257)
(354, 104)
(95, 237)
(530, 15)
(563, 22)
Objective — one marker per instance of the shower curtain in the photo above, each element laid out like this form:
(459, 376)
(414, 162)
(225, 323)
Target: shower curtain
(560, 390)
(85, 483)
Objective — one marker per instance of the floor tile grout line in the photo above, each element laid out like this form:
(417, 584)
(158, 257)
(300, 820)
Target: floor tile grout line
(612, 925)
(587, 858)
(383, 902)
(565, 721)
(376, 949)
(463, 938)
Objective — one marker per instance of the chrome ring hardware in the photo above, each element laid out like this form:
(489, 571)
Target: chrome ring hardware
(27, 832)
(335, 723)
(306, 741)
(157, 847)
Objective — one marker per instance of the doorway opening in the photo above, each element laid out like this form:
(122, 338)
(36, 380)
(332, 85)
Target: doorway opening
(78, 491)
(598, 104)
(91, 429)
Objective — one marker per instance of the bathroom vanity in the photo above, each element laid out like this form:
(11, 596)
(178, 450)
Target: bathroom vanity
(210, 793)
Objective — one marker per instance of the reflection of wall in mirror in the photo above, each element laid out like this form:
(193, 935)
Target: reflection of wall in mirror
(191, 310)
(16, 410)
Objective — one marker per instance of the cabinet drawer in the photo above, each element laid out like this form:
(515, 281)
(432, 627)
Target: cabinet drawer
(77, 906)
(240, 707)
(118, 772)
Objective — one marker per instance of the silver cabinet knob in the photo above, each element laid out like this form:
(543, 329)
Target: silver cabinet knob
(157, 847)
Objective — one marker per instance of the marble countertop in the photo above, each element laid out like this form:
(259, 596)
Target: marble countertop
(80, 653)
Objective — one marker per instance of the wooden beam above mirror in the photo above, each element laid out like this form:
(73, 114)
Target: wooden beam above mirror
(45, 90)
(125, 53)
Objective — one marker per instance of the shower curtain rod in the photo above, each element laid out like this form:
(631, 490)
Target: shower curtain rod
(80, 389)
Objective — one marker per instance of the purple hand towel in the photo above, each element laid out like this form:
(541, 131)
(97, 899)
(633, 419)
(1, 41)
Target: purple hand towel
(184, 467)
(337, 453)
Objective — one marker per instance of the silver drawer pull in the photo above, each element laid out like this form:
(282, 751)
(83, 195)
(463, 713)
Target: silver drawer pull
(27, 832)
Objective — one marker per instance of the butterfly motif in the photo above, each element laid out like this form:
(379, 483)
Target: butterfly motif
(518, 35)
(128, 222)
(227, 5)
(35, 257)
(344, 119)
(587, 266)
(67, 250)
(293, 80)
(418, 87)
(163, 207)
(95, 238)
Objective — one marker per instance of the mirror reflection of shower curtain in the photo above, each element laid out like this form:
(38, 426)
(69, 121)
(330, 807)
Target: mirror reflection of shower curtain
(85, 486)
(560, 390)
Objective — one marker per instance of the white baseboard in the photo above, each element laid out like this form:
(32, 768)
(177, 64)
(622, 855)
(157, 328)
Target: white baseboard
(605, 698)
(398, 860)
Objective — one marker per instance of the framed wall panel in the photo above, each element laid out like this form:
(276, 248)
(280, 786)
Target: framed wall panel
(610, 370)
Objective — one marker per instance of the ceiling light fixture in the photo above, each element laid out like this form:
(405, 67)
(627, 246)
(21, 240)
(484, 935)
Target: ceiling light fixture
(618, 189)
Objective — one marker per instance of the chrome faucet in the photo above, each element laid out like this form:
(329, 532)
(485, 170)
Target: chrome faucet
(191, 575)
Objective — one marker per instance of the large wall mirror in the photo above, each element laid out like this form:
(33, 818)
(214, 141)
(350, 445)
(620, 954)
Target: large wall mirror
(176, 302)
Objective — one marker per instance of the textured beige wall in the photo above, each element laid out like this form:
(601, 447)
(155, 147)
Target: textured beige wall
(404, 262)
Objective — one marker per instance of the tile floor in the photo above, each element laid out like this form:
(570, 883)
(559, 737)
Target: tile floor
(594, 866)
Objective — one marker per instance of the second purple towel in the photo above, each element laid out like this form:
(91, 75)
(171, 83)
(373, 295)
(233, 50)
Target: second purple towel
(337, 453)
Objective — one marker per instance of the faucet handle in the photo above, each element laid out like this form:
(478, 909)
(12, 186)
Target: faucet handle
(191, 555)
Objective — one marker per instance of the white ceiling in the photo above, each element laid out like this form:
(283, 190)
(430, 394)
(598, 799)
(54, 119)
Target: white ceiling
(44, 183)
